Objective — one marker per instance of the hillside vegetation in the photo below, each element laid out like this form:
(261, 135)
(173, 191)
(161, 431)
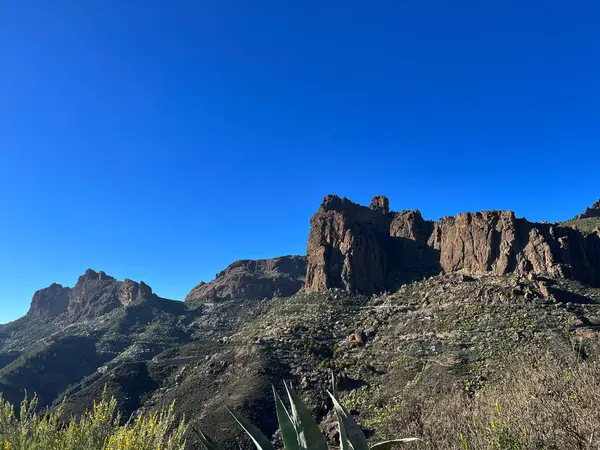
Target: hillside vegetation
(586, 225)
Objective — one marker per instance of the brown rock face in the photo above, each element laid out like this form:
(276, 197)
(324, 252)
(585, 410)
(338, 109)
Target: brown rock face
(346, 247)
(95, 293)
(476, 242)
(253, 279)
(593, 211)
(381, 204)
(360, 249)
(130, 292)
(497, 242)
(49, 302)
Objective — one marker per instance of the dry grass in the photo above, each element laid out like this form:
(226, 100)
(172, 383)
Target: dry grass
(548, 402)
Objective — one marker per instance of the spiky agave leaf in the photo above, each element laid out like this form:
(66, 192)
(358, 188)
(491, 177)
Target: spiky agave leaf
(307, 430)
(333, 385)
(344, 443)
(206, 441)
(260, 440)
(286, 425)
(354, 433)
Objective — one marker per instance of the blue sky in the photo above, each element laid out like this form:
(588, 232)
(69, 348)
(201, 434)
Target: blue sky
(162, 140)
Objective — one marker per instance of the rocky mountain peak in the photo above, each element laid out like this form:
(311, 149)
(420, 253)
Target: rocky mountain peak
(593, 211)
(253, 279)
(49, 302)
(91, 274)
(334, 202)
(131, 292)
(380, 203)
(94, 294)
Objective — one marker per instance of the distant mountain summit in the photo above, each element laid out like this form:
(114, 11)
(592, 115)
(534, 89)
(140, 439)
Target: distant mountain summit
(253, 279)
(95, 294)
(593, 211)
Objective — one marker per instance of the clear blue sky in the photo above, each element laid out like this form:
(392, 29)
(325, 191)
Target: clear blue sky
(161, 140)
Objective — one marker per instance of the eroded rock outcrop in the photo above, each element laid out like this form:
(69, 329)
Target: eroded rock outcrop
(49, 302)
(497, 242)
(366, 250)
(380, 203)
(94, 294)
(593, 211)
(347, 247)
(253, 279)
(361, 249)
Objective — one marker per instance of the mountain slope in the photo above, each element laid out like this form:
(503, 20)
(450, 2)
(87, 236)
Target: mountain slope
(412, 316)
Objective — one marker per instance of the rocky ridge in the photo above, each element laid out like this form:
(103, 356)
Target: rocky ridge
(252, 280)
(368, 250)
(593, 211)
(94, 294)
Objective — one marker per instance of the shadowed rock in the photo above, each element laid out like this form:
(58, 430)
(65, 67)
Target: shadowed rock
(94, 294)
(593, 211)
(253, 279)
(361, 249)
(49, 302)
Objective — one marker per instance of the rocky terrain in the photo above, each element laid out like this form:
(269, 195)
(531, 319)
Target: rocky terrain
(252, 280)
(588, 221)
(408, 313)
(362, 249)
(592, 211)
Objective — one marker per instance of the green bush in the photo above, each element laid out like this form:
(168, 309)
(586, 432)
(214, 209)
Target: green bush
(98, 429)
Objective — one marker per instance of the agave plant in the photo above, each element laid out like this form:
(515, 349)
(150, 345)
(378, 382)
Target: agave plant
(299, 430)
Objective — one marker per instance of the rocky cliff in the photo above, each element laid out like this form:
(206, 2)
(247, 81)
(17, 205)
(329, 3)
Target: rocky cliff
(496, 242)
(253, 279)
(593, 211)
(49, 302)
(95, 293)
(362, 249)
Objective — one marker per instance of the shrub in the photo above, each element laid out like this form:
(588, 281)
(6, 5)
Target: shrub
(98, 429)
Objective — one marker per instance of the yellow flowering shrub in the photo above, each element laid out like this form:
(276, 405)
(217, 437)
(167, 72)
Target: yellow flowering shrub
(98, 429)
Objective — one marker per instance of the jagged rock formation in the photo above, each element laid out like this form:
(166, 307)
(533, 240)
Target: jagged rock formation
(253, 279)
(49, 302)
(95, 293)
(380, 203)
(499, 243)
(361, 249)
(593, 211)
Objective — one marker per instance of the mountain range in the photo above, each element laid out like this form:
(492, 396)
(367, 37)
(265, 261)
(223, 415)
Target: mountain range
(381, 299)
